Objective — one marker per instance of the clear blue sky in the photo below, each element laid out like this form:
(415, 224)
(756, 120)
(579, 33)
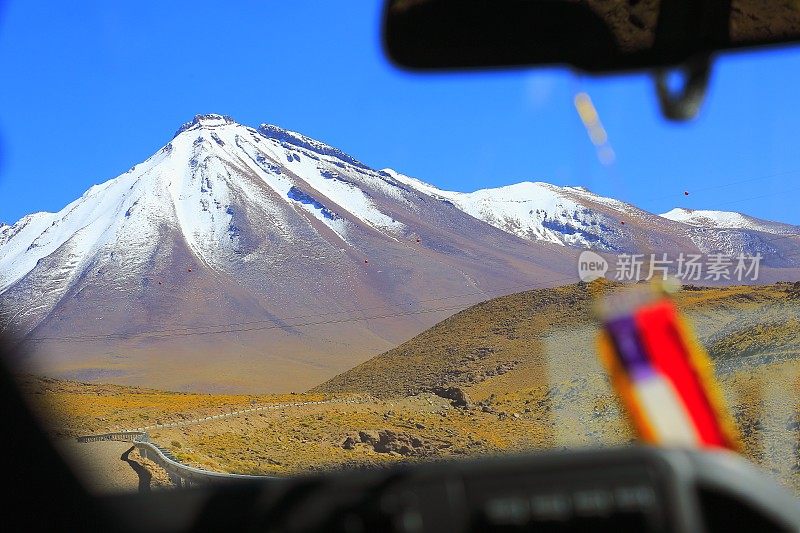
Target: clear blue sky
(89, 88)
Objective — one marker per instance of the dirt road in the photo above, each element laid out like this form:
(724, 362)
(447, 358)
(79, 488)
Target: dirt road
(104, 466)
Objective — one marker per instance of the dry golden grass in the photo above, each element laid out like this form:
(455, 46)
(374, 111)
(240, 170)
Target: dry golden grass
(500, 345)
(71, 408)
(539, 347)
(765, 402)
(573, 413)
(527, 361)
(478, 343)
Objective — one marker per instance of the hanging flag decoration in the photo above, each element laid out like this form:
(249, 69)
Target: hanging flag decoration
(664, 377)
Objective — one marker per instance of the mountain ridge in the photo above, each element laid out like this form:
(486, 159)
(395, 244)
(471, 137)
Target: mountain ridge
(266, 227)
(728, 219)
(576, 216)
(223, 221)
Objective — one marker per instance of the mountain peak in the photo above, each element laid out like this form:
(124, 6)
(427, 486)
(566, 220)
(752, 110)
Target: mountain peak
(699, 217)
(677, 211)
(208, 120)
(727, 220)
(299, 140)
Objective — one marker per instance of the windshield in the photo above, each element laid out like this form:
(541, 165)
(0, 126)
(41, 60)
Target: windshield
(242, 235)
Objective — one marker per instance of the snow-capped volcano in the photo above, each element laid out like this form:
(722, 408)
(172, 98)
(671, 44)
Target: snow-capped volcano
(202, 183)
(227, 242)
(253, 259)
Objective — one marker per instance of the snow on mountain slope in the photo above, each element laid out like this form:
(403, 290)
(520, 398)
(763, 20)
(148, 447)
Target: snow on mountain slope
(5, 231)
(197, 197)
(728, 219)
(535, 211)
(540, 211)
(567, 216)
(249, 259)
(574, 216)
(228, 224)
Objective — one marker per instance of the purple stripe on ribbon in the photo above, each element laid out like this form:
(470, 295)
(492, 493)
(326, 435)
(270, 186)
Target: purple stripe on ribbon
(631, 352)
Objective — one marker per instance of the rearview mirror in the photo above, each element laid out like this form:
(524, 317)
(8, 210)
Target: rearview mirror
(591, 35)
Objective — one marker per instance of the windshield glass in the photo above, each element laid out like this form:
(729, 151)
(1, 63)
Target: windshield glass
(242, 235)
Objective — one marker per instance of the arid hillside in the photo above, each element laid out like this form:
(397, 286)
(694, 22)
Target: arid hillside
(512, 374)
(533, 353)
(523, 340)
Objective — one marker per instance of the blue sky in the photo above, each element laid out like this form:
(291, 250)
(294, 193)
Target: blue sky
(91, 88)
